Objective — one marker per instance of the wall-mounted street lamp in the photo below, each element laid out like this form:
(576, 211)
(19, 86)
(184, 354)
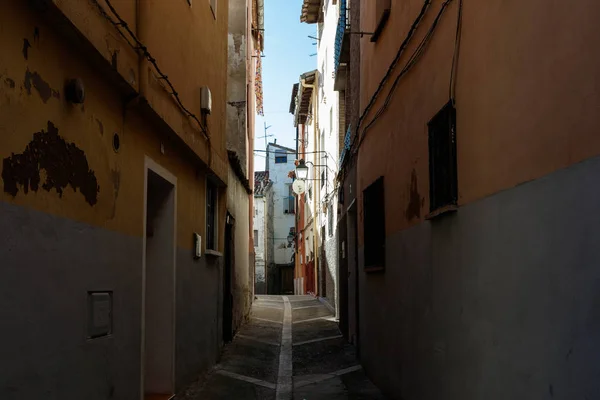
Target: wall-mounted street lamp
(302, 170)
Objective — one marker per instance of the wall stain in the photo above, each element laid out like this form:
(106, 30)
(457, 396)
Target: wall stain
(10, 82)
(26, 47)
(64, 165)
(42, 87)
(414, 204)
(36, 34)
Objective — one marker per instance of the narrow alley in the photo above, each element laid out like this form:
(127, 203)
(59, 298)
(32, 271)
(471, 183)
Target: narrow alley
(291, 348)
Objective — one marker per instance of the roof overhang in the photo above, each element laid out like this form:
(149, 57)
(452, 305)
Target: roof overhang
(304, 96)
(312, 11)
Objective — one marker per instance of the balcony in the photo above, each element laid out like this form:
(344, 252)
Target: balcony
(347, 144)
(342, 47)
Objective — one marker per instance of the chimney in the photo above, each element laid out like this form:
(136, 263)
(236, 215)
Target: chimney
(275, 142)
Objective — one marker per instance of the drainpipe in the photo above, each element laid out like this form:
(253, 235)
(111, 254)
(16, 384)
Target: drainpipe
(315, 130)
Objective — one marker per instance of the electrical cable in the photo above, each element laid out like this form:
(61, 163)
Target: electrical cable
(410, 63)
(456, 54)
(139, 46)
(392, 66)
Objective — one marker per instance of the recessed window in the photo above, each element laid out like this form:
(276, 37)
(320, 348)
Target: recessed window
(443, 182)
(374, 225)
(211, 216)
(256, 238)
(289, 202)
(382, 14)
(280, 157)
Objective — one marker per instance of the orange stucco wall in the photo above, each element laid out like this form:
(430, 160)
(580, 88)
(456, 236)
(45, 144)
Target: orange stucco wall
(90, 127)
(527, 96)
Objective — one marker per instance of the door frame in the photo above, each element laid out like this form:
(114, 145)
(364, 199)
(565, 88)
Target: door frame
(228, 278)
(151, 165)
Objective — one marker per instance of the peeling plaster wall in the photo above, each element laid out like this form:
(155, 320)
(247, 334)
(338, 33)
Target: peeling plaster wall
(237, 83)
(242, 288)
(72, 222)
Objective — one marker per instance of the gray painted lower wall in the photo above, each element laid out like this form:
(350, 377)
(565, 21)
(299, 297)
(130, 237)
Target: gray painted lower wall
(199, 310)
(331, 265)
(47, 266)
(500, 300)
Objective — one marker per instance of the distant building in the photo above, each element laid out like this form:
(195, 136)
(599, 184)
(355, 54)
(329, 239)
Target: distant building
(262, 199)
(303, 106)
(245, 41)
(281, 221)
(329, 128)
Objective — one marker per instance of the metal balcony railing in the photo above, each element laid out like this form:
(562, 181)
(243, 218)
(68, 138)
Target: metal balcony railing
(341, 31)
(347, 144)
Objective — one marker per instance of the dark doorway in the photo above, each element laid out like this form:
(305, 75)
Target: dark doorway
(227, 280)
(287, 279)
(159, 287)
(353, 278)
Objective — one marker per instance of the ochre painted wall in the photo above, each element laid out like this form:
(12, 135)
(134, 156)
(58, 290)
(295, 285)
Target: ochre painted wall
(26, 109)
(527, 96)
(189, 45)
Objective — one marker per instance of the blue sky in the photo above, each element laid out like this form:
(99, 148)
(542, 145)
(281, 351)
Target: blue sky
(287, 50)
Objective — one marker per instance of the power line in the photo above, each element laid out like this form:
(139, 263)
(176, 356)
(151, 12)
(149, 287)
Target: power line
(410, 63)
(139, 46)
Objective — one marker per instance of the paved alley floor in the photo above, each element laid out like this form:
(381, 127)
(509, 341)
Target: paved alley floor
(290, 349)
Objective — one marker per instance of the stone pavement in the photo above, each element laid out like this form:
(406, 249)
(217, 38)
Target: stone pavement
(290, 349)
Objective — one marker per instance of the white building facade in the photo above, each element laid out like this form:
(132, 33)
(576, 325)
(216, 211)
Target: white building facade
(262, 186)
(330, 118)
(281, 216)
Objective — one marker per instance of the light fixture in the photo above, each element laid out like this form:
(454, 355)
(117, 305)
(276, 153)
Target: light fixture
(302, 170)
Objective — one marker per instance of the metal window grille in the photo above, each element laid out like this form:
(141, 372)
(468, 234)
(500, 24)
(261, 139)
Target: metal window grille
(211, 211)
(443, 180)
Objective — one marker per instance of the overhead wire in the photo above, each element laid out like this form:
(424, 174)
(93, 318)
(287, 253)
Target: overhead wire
(456, 54)
(137, 45)
(410, 63)
(392, 67)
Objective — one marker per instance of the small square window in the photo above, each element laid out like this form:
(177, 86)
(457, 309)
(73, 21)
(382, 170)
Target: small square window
(289, 202)
(374, 225)
(280, 157)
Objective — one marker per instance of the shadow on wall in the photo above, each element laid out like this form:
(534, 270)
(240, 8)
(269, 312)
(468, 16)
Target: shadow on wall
(273, 279)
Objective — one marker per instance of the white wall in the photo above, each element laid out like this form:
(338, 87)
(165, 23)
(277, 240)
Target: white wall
(259, 241)
(328, 142)
(282, 222)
